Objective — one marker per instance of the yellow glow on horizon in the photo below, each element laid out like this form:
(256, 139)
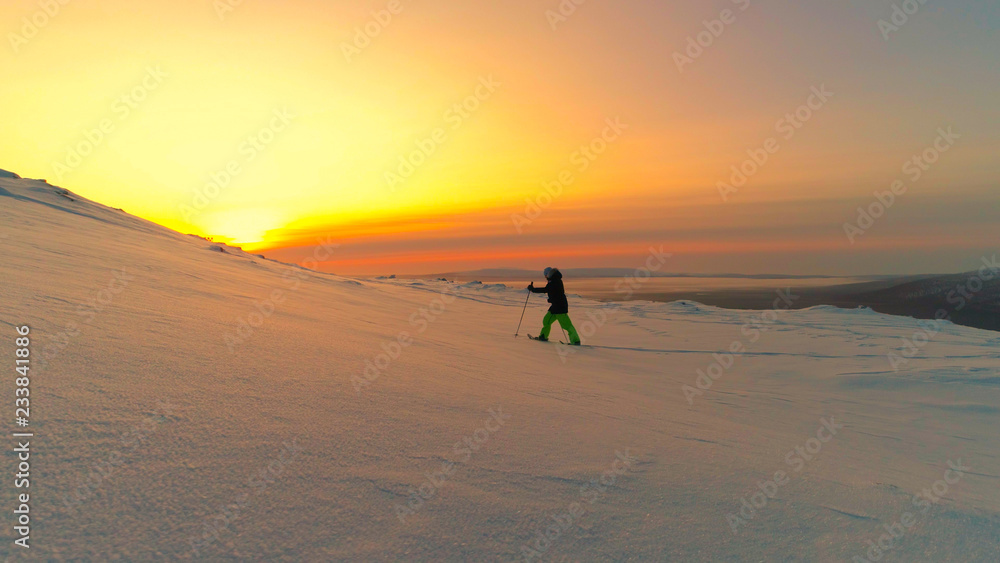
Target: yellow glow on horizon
(244, 227)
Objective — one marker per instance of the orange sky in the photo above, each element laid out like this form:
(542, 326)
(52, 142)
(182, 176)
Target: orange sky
(419, 142)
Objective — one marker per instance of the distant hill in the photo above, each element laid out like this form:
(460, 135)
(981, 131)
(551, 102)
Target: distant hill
(518, 273)
(969, 299)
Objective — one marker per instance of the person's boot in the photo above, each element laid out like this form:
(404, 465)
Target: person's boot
(542, 338)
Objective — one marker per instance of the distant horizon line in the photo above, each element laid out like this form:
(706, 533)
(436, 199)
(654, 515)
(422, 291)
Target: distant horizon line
(611, 272)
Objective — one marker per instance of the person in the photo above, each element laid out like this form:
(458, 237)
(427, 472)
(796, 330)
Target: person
(559, 310)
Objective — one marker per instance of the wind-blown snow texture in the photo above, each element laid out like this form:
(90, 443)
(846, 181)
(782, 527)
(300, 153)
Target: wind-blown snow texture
(200, 402)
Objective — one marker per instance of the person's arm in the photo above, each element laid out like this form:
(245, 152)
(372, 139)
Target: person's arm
(538, 289)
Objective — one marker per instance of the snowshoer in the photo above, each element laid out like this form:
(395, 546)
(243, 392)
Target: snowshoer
(559, 310)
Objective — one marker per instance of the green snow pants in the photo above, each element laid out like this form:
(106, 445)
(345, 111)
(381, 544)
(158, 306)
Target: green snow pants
(563, 322)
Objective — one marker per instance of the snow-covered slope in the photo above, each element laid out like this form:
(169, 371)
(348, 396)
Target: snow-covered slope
(189, 402)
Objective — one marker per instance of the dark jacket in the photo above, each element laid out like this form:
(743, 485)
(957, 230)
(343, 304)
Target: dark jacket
(557, 294)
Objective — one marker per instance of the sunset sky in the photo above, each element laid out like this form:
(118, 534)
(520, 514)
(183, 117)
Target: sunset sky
(300, 120)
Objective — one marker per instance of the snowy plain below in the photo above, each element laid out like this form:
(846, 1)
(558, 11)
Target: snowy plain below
(192, 401)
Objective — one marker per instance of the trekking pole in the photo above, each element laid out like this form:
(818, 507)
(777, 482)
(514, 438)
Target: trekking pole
(522, 314)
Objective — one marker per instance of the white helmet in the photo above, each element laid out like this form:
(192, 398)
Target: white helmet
(547, 272)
